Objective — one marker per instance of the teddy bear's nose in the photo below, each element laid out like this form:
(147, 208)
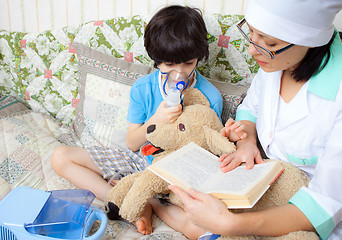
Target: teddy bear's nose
(151, 128)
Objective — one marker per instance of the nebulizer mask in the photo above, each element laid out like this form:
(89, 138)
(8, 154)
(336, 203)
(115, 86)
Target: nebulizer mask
(177, 82)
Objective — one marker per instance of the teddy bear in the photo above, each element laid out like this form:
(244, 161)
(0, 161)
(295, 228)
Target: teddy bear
(200, 124)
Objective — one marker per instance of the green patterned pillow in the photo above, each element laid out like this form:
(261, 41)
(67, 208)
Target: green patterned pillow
(229, 60)
(42, 68)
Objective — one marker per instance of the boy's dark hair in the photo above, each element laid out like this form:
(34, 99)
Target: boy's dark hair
(176, 34)
(312, 62)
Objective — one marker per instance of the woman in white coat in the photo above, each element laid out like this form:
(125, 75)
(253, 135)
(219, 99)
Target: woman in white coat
(294, 107)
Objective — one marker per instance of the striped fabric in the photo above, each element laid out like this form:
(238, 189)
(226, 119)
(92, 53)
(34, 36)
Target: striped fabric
(10, 105)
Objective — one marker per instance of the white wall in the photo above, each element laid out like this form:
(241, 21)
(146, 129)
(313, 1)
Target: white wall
(40, 15)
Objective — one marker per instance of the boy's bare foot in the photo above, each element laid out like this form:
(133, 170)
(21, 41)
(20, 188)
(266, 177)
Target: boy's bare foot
(144, 224)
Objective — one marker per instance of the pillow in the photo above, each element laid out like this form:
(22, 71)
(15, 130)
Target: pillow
(10, 105)
(229, 60)
(232, 96)
(104, 87)
(41, 68)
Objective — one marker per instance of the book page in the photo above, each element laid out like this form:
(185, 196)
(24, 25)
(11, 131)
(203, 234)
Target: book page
(191, 164)
(239, 180)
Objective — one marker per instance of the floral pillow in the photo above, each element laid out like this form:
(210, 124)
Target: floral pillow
(229, 60)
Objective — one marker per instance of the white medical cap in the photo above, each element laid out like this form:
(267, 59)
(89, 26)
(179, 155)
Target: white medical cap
(301, 22)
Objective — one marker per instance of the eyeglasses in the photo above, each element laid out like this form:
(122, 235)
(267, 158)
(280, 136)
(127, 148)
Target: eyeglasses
(268, 53)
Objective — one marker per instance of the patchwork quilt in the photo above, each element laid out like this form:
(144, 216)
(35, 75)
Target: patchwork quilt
(28, 139)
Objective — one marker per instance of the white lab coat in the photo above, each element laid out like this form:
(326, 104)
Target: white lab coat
(307, 132)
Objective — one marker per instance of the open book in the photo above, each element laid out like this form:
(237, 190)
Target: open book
(194, 167)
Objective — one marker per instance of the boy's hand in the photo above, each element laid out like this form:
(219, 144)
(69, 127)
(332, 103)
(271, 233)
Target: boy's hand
(167, 114)
(246, 152)
(233, 130)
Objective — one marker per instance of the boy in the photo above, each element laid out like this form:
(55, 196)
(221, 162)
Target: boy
(175, 39)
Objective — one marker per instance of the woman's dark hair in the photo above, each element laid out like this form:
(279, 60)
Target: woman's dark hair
(176, 34)
(312, 62)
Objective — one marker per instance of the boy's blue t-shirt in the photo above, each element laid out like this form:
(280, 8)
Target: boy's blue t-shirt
(145, 98)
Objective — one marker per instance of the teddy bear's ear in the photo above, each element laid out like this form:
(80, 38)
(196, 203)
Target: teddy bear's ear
(194, 96)
(217, 143)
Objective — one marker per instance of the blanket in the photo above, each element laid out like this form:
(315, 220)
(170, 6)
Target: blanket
(27, 141)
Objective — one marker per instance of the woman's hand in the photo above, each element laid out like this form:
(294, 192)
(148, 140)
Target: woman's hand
(212, 215)
(166, 114)
(205, 211)
(246, 152)
(233, 130)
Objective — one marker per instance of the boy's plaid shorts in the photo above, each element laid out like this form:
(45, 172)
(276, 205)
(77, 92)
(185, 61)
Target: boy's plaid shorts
(116, 163)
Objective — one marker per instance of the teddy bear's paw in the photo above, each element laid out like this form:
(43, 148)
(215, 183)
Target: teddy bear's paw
(112, 211)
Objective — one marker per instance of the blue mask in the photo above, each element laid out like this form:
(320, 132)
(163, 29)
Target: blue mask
(177, 80)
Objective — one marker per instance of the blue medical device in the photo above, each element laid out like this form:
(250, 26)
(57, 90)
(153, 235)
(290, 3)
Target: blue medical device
(27, 213)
